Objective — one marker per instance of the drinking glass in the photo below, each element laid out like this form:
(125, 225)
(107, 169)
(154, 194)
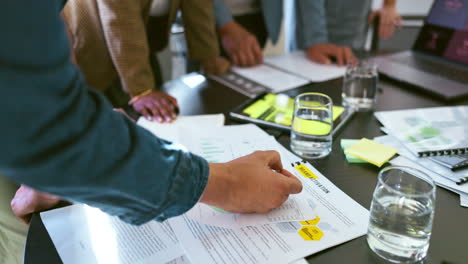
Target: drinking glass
(360, 86)
(401, 215)
(312, 125)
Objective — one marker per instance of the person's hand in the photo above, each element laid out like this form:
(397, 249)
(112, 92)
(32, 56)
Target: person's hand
(389, 20)
(156, 105)
(256, 183)
(241, 46)
(323, 54)
(28, 201)
(217, 65)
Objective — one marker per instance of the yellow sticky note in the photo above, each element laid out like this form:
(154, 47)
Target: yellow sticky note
(371, 152)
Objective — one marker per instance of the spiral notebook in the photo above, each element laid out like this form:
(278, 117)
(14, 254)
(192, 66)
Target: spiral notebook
(429, 132)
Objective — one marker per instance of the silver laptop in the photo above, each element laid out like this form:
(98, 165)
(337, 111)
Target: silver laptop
(438, 61)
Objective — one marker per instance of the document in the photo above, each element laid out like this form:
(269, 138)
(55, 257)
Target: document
(297, 63)
(337, 219)
(428, 129)
(230, 142)
(166, 130)
(276, 80)
(441, 175)
(82, 234)
(464, 200)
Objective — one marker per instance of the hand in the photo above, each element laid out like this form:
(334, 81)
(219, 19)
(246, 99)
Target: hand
(256, 183)
(241, 46)
(28, 201)
(389, 19)
(157, 105)
(218, 65)
(322, 53)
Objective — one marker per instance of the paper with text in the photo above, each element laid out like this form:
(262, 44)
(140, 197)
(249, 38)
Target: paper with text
(82, 234)
(337, 219)
(298, 64)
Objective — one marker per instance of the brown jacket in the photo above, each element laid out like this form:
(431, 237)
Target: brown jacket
(110, 38)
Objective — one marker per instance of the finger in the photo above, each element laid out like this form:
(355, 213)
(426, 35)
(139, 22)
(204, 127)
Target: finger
(293, 184)
(258, 54)
(164, 112)
(156, 113)
(349, 56)
(320, 58)
(168, 109)
(235, 59)
(21, 212)
(340, 56)
(249, 57)
(146, 113)
(273, 160)
(286, 173)
(242, 59)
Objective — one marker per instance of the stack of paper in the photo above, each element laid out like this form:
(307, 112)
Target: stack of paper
(418, 130)
(320, 217)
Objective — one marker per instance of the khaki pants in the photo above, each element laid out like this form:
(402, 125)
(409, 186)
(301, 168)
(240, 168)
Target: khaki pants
(12, 231)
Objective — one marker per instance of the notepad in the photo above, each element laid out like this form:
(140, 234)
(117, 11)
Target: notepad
(371, 152)
(345, 144)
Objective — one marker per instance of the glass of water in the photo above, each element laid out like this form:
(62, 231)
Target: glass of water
(312, 125)
(360, 86)
(401, 215)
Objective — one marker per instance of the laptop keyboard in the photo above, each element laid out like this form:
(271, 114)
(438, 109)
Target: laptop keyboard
(433, 67)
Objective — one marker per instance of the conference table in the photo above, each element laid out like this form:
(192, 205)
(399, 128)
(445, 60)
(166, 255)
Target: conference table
(449, 241)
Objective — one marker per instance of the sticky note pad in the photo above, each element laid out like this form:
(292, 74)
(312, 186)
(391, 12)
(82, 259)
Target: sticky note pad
(346, 143)
(371, 152)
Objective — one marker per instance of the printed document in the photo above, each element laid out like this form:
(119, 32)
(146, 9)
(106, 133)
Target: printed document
(337, 219)
(428, 129)
(82, 234)
(297, 63)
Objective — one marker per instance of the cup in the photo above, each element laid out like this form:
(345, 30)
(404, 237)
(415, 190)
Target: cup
(312, 125)
(360, 86)
(401, 215)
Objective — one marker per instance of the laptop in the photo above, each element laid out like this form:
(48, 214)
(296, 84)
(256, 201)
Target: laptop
(438, 61)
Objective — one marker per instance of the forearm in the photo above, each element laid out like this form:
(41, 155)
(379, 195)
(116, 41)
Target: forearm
(222, 13)
(124, 28)
(311, 19)
(200, 30)
(61, 137)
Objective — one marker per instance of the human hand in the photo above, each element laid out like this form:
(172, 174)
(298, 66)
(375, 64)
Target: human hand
(241, 46)
(28, 201)
(217, 65)
(256, 183)
(156, 105)
(322, 53)
(389, 19)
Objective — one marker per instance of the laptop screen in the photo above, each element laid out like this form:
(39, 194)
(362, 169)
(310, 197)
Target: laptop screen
(445, 31)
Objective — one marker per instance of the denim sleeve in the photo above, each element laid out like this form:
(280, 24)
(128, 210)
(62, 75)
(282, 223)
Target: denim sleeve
(222, 13)
(61, 137)
(311, 22)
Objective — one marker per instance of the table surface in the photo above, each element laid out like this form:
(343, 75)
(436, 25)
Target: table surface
(449, 239)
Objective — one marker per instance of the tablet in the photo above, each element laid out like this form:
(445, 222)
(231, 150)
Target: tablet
(276, 111)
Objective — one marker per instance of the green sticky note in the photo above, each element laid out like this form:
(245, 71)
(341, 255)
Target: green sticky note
(371, 151)
(346, 143)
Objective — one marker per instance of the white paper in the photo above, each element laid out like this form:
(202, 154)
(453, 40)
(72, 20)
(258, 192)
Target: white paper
(464, 200)
(270, 77)
(227, 143)
(168, 131)
(298, 64)
(83, 234)
(428, 129)
(338, 219)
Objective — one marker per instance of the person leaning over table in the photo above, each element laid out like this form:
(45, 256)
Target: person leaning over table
(325, 29)
(61, 137)
(116, 40)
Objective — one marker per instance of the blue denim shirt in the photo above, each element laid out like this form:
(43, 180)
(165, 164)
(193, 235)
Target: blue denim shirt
(60, 136)
(341, 22)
